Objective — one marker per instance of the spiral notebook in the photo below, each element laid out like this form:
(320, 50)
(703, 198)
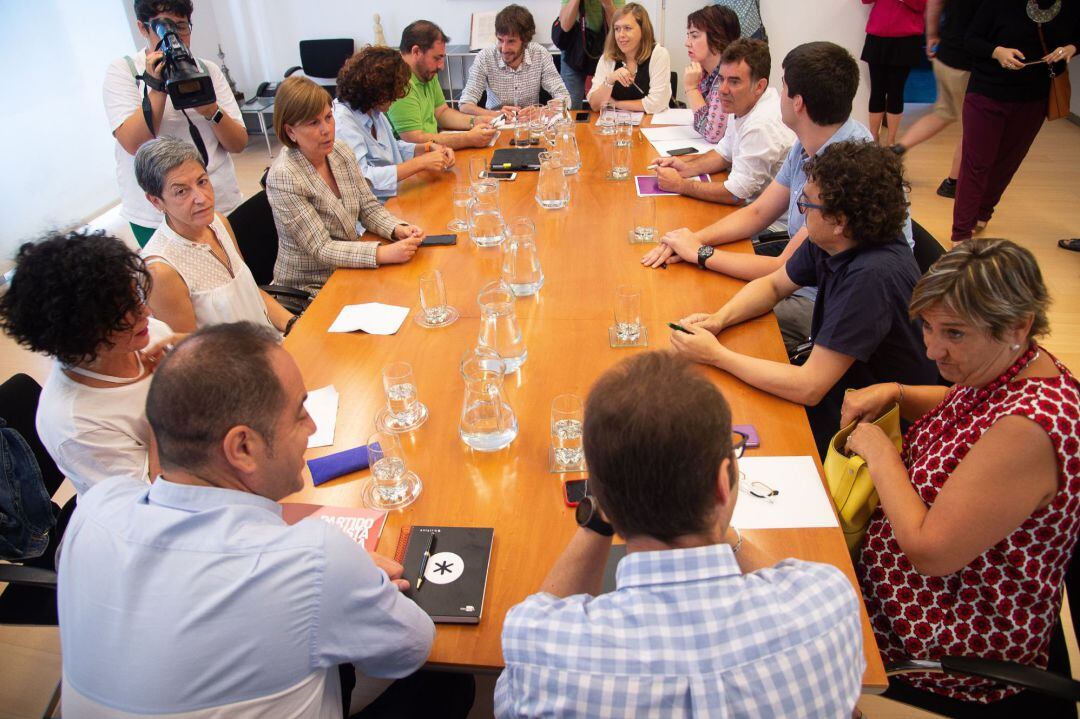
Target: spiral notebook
(455, 572)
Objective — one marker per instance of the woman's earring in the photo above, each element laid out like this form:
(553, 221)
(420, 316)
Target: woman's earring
(1015, 347)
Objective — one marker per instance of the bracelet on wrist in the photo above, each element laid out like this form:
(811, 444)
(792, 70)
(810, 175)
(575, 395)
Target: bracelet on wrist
(900, 387)
(289, 325)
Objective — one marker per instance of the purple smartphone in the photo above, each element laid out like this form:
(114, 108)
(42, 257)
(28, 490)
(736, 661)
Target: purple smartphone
(751, 434)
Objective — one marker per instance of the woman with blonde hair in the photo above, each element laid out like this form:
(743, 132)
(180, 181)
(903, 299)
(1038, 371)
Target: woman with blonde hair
(980, 511)
(634, 72)
(321, 202)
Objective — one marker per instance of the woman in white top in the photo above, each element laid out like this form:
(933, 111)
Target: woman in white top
(369, 82)
(634, 72)
(200, 278)
(80, 299)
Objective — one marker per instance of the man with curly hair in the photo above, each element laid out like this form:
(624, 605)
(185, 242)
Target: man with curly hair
(854, 204)
(367, 84)
(139, 109)
(80, 299)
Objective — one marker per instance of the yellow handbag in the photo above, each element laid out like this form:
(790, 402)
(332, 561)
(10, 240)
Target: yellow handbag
(849, 480)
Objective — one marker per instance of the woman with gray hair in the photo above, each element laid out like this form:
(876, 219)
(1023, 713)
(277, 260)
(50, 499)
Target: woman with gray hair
(979, 513)
(200, 278)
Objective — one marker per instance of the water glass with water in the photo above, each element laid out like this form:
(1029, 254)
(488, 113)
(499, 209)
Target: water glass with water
(520, 260)
(499, 328)
(644, 220)
(461, 196)
(434, 310)
(404, 411)
(567, 421)
(566, 145)
(624, 127)
(392, 485)
(618, 160)
(552, 188)
(536, 124)
(521, 129)
(606, 123)
(627, 314)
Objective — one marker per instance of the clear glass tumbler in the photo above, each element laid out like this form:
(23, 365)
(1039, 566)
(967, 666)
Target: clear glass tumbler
(567, 421)
(404, 411)
(627, 314)
(434, 309)
(392, 485)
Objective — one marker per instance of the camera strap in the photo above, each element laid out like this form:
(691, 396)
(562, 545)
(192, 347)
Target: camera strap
(152, 83)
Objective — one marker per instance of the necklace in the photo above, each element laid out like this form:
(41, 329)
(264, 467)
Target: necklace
(1041, 16)
(109, 378)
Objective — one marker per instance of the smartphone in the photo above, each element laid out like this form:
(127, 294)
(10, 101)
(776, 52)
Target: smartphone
(439, 240)
(504, 176)
(581, 117)
(574, 490)
(682, 151)
(751, 434)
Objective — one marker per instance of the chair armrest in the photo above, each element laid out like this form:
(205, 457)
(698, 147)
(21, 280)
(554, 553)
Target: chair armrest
(28, 576)
(1019, 675)
(291, 70)
(286, 292)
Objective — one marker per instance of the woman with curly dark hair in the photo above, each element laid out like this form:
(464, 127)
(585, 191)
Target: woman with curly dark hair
(369, 82)
(80, 298)
(855, 207)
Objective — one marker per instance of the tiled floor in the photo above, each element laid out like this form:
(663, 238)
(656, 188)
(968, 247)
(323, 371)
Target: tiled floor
(1037, 210)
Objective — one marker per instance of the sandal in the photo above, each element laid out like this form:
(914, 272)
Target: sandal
(1073, 244)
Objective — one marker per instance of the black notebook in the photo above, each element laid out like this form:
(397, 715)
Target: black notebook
(455, 577)
(516, 159)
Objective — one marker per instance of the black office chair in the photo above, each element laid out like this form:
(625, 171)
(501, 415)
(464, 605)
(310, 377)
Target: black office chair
(675, 91)
(1050, 692)
(322, 59)
(256, 235)
(927, 250)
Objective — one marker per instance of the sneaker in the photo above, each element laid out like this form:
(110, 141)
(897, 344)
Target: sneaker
(947, 188)
(898, 149)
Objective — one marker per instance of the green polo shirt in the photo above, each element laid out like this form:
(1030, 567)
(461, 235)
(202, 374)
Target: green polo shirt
(416, 111)
(594, 12)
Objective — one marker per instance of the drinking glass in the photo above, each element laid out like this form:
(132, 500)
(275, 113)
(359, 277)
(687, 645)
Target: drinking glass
(628, 330)
(403, 411)
(435, 312)
(644, 220)
(486, 225)
(521, 129)
(461, 195)
(567, 421)
(477, 169)
(520, 260)
(392, 485)
(536, 124)
(606, 123)
(618, 160)
(552, 188)
(624, 127)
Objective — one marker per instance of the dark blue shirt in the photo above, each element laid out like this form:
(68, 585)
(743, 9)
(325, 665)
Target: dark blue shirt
(862, 311)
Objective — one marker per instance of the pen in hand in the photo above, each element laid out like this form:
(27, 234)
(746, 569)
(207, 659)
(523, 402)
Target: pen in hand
(678, 328)
(424, 560)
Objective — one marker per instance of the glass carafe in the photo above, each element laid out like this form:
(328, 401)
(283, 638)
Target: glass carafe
(552, 189)
(566, 145)
(486, 226)
(520, 260)
(487, 420)
(499, 327)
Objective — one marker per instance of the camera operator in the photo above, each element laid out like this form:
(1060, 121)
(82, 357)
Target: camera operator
(219, 123)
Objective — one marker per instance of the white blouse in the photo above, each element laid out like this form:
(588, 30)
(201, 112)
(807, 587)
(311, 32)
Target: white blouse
(659, 79)
(219, 293)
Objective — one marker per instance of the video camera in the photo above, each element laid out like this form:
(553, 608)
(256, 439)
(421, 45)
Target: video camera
(187, 85)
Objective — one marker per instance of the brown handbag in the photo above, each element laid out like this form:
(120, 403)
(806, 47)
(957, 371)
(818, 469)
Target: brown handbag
(1057, 105)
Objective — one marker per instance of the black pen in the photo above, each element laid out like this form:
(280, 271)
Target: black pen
(679, 328)
(424, 560)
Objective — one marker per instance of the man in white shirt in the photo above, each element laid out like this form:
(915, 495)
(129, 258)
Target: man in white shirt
(756, 143)
(127, 94)
(192, 598)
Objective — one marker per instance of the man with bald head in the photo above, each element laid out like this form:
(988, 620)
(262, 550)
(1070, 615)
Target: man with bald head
(192, 597)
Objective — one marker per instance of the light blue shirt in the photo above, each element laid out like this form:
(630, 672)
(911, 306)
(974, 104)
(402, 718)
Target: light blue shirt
(793, 176)
(175, 598)
(378, 158)
(687, 634)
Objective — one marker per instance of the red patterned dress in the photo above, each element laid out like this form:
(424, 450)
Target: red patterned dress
(1003, 605)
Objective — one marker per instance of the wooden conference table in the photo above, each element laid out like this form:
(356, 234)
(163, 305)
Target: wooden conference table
(585, 253)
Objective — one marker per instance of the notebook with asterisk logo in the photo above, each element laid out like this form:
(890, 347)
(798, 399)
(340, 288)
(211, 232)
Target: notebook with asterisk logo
(447, 570)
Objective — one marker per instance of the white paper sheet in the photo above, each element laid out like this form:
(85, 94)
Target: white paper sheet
(375, 318)
(673, 132)
(322, 405)
(674, 116)
(802, 501)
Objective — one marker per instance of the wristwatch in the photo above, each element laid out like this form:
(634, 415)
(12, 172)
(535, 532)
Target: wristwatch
(703, 254)
(588, 516)
(217, 116)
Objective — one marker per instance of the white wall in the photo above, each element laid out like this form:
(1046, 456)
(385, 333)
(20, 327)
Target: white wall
(1074, 80)
(57, 162)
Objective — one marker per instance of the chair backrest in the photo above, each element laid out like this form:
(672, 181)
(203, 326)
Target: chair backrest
(256, 235)
(674, 89)
(324, 58)
(927, 250)
(18, 406)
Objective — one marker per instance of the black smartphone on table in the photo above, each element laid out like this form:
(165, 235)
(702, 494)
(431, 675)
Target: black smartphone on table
(581, 117)
(500, 175)
(574, 490)
(438, 240)
(682, 151)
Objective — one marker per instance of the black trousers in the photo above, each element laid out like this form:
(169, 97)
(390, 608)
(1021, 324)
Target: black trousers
(887, 87)
(420, 695)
